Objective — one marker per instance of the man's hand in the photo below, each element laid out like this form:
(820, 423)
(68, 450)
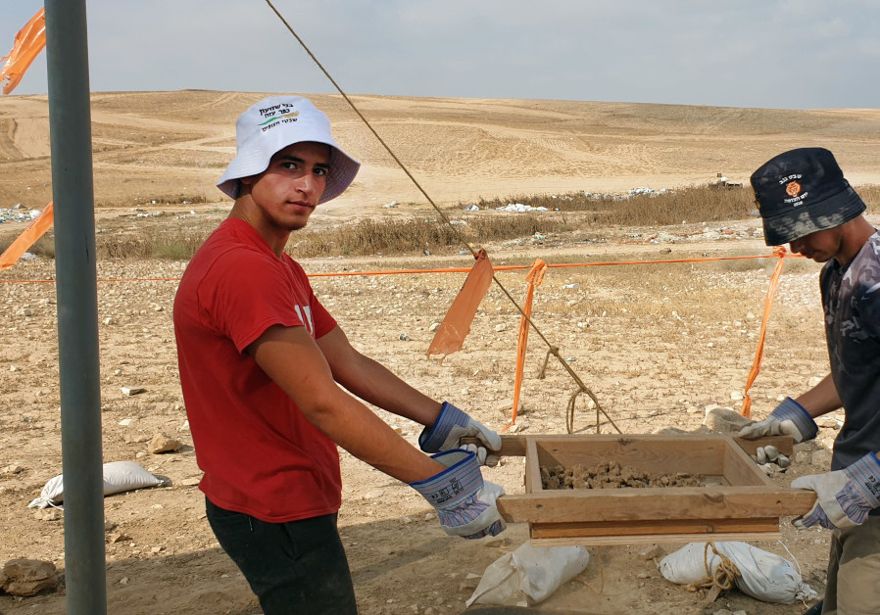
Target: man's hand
(845, 497)
(788, 419)
(465, 503)
(453, 429)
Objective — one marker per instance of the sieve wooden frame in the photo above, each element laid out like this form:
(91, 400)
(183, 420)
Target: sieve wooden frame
(745, 505)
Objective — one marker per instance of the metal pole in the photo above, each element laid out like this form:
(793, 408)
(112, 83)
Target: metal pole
(76, 285)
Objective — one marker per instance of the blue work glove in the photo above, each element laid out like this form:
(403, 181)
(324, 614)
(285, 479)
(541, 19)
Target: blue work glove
(465, 503)
(789, 418)
(845, 497)
(452, 426)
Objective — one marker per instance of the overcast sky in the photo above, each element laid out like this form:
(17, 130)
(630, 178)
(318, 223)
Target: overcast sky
(742, 53)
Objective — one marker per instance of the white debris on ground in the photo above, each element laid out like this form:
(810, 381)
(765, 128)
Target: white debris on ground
(632, 192)
(18, 213)
(520, 208)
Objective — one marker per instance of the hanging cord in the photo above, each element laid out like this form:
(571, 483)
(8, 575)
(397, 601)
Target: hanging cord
(582, 388)
(722, 579)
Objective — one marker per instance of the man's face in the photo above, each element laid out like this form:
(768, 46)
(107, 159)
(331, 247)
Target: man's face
(820, 246)
(289, 189)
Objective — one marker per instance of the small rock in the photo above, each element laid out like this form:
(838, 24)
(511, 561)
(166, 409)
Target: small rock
(724, 420)
(163, 444)
(125, 422)
(500, 327)
(191, 482)
(49, 514)
(129, 391)
(434, 326)
(651, 553)
(11, 469)
(821, 458)
(123, 581)
(118, 536)
(521, 425)
(108, 320)
(404, 337)
(29, 577)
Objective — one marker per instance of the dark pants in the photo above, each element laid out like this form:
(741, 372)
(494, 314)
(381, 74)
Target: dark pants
(295, 567)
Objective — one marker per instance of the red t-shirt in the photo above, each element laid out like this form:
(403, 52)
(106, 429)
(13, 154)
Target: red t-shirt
(259, 454)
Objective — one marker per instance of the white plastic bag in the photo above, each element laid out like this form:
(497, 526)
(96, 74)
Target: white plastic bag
(762, 575)
(118, 476)
(529, 575)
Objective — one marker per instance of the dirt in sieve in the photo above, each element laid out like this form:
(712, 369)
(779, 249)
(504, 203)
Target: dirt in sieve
(612, 475)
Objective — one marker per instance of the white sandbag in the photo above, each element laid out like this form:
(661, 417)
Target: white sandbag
(762, 575)
(529, 575)
(118, 476)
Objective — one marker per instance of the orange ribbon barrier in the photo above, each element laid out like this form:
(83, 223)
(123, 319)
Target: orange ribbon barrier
(779, 252)
(534, 279)
(36, 229)
(29, 42)
(457, 323)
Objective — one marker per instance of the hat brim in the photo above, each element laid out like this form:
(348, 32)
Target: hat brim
(343, 168)
(806, 219)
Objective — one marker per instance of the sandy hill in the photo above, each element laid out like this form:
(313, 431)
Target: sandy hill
(173, 145)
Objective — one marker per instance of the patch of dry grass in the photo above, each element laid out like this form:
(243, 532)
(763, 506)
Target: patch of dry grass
(696, 204)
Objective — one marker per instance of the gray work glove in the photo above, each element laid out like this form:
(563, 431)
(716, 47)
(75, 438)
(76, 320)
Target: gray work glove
(456, 429)
(465, 503)
(845, 497)
(789, 418)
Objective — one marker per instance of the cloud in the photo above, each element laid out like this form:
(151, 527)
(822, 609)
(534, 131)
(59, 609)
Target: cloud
(772, 53)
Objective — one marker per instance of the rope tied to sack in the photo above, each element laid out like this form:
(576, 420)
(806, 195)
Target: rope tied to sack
(724, 576)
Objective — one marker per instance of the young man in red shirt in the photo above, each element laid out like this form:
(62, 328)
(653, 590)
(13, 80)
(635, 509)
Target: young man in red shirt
(263, 366)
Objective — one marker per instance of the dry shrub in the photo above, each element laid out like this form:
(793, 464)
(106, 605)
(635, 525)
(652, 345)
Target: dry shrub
(694, 204)
(166, 247)
(395, 236)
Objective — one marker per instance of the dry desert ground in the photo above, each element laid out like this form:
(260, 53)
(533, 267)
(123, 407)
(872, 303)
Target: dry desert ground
(657, 344)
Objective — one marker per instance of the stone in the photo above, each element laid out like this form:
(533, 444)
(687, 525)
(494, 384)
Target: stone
(821, 458)
(651, 553)
(724, 420)
(130, 391)
(29, 577)
(49, 514)
(163, 444)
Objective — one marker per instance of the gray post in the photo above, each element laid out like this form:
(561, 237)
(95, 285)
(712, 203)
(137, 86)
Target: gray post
(75, 273)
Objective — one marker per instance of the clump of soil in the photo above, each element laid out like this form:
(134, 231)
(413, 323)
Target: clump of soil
(612, 475)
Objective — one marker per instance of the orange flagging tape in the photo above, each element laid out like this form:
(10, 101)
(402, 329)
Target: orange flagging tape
(378, 272)
(28, 237)
(779, 252)
(29, 42)
(534, 279)
(457, 323)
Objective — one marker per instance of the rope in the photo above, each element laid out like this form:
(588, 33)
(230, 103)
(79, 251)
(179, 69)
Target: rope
(724, 576)
(455, 231)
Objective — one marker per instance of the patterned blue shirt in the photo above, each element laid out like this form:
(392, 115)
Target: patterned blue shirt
(851, 302)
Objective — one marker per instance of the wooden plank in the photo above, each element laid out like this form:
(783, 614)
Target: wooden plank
(564, 506)
(699, 455)
(614, 541)
(514, 445)
(533, 468)
(740, 469)
(658, 527)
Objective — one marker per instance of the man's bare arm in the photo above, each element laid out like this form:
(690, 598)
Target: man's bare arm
(822, 398)
(292, 359)
(373, 382)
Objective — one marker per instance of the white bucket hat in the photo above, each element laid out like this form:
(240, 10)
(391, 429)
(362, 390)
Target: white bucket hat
(272, 124)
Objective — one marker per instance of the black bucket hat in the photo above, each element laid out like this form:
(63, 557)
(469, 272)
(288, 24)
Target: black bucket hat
(803, 191)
